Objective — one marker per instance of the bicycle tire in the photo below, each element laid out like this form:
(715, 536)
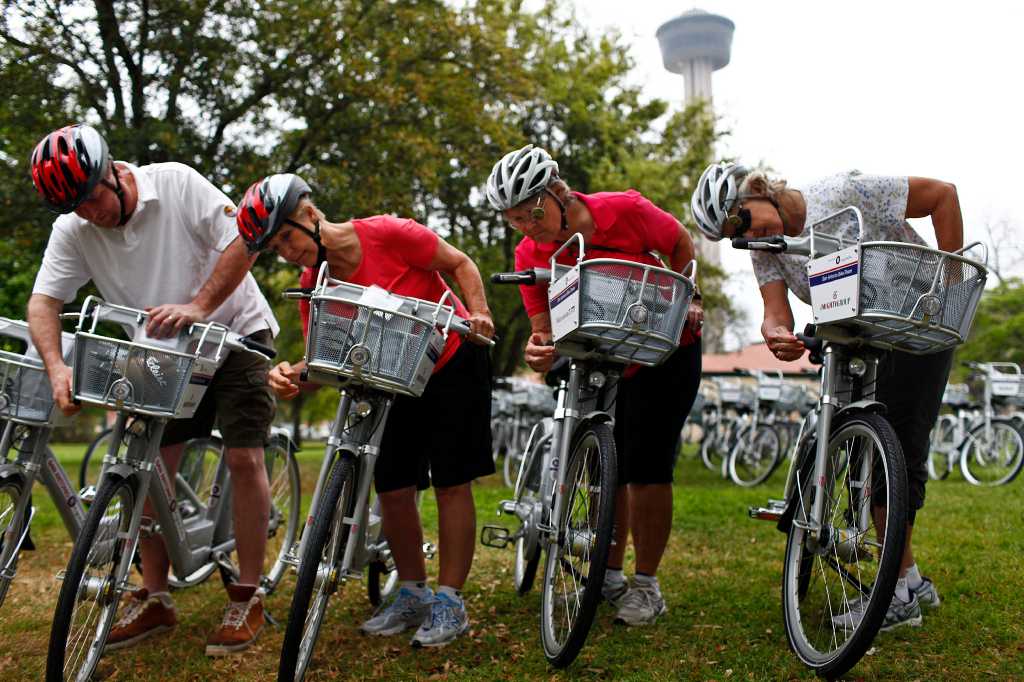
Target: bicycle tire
(561, 651)
(527, 558)
(710, 448)
(285, 509)
(11, 488)
(764, 443)
(798, 608)
(98, 444)
(91, 550)
(940, 450)
(325, 544)
(975, 450)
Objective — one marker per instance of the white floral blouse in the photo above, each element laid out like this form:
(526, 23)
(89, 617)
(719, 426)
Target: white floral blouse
(882, 201)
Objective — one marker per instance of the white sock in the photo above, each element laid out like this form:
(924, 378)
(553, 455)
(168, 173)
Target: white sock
(164, 597)
(614, 576)
(902, 591)
(646, 581)
(417, 587)
(450, 592)
(913, 577)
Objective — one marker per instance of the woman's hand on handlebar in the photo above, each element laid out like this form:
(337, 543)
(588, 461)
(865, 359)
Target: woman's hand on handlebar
(695, 317)
(783, 344)
(284, 379)
(481, 324)
(540, 352)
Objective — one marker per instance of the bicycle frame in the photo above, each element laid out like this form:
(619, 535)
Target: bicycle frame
(360, 441)
(191, 542)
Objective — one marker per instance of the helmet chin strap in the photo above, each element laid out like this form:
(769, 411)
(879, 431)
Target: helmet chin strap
(119, 192)
(314, 234)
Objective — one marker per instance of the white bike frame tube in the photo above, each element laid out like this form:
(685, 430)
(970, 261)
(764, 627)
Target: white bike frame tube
(828, 408)
(569, 418)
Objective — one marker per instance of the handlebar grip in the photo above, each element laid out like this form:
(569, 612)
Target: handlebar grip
(464, 329)
(521, 277)
(776, 244)
(297, 292)
(258, 347)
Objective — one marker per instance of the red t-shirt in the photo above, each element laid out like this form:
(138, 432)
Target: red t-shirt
(626, 222)
(396, 255)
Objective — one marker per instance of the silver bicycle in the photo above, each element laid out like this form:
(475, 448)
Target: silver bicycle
(147, 382)
(605, 313)
(370, 345)
(845, 506)
(988, 447)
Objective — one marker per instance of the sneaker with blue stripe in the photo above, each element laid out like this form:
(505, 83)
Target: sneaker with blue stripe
(406, 610)
(447, 620)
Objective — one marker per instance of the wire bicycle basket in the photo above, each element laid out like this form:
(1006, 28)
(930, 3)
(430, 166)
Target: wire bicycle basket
(25, 393)
(373, 337)
(898, 296)
(156, 377)
(617, 309)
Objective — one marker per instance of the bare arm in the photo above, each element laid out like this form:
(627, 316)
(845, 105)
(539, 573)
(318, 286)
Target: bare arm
(683, 252)
(777, 326)
(44, 326)
(228, 273)
(463, 270)
(938, 199)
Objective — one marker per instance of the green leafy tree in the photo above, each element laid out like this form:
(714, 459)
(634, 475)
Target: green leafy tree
(385, 107)
(998, 331)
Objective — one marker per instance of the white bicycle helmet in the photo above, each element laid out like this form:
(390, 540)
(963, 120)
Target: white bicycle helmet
(716, 194)
(518, 176)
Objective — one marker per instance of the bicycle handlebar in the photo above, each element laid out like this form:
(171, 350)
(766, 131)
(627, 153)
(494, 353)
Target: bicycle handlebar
(776, 244)
(528, 277)
(257, 347)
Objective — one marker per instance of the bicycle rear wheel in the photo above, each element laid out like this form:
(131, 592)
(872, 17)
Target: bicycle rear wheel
(93, 584)
(835, 593)
(992, 456)
(92, 461)
(318, 571)
(285, 499)
(941, 449)
(752, 463)
(527, 547)
(576, 562)
(11, 528)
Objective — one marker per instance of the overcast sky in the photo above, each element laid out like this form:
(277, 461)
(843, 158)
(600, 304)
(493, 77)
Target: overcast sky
(896, 88)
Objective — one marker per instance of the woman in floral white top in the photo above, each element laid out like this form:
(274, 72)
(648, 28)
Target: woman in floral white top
(732, 200)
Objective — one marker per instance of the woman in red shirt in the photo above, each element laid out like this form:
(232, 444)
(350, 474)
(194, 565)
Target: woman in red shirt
(652, 402)
(442, 437)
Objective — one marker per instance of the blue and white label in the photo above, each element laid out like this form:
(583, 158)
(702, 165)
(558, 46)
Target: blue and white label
(835, 285)
(564, 301)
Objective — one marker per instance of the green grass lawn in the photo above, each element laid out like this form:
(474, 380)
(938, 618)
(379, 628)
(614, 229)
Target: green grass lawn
(720, 576)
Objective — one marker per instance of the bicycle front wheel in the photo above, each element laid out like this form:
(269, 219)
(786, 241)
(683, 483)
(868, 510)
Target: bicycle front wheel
(93, 584)
(576, 561)
(994, 455)
(752, 463)
(318, 572)
(837, 587)
(12, 525)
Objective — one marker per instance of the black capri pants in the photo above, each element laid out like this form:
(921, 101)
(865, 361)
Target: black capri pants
(650, 410)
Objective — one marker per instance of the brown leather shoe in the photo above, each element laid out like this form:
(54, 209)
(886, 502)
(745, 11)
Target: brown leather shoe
(142, 616)
(243, 620)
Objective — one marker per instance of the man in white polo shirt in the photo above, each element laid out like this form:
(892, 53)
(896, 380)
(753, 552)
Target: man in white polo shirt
(163, 238)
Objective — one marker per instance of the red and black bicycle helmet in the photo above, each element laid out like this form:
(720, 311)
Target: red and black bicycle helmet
(267, 205)
(67, 164)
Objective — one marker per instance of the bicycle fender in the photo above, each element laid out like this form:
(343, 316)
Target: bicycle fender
(9, 470)
(872, 406)
(596, 417)
(120, 470)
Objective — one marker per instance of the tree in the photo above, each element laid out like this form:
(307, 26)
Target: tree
(998, 331)
(384, 107)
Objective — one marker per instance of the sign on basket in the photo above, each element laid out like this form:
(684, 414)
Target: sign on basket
(835, 285)
(564, 297)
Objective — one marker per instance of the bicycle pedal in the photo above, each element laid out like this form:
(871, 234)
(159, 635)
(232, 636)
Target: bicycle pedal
(497, 537)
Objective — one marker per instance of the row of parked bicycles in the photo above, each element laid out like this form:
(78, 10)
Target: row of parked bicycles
(746, 429)
(981, 429)
(517, 406)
